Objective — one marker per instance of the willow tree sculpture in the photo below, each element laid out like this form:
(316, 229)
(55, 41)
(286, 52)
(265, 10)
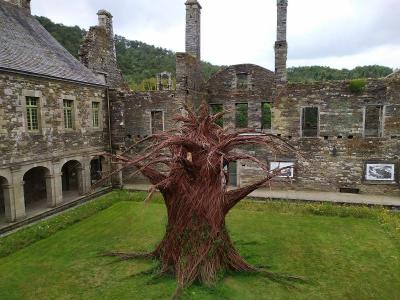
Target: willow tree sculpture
(196, 245)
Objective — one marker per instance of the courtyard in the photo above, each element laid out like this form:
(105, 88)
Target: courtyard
(342, 252)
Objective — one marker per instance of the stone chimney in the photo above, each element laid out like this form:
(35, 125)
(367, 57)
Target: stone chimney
(106, 21)
(97, 51)
(281, 45)
(25, 4)
(193, 14)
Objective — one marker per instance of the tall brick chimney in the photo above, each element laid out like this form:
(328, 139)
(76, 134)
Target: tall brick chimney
(193, 16)
(281, 45)
(25, 4)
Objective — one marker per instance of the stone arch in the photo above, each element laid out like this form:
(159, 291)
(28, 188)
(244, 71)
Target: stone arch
(72, 179)
(64, 161)
(37, 188)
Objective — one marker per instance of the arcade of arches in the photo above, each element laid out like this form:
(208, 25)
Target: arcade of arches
(29, 190)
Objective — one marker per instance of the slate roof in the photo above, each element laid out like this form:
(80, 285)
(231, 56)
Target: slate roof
(26, 46)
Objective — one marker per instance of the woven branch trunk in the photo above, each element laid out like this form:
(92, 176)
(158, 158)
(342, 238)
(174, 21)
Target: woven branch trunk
(196, 245)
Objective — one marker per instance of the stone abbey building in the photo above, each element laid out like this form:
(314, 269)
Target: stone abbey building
(57, 114)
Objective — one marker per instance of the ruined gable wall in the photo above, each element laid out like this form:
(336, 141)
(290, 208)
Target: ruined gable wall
(97, 53)
(222, 89)
(137, 120)
(17, 145)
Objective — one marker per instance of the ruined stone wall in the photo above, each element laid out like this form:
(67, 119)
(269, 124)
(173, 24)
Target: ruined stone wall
(138, 108)
(132, 111)
(19, 146)
(337, 157)
(97, 51)
(189, 80)
(222, 89)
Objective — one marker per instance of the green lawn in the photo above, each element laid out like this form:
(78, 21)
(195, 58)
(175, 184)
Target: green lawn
(342, 256)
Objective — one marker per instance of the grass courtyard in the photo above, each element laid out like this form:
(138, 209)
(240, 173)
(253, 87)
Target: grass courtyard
(343, 252)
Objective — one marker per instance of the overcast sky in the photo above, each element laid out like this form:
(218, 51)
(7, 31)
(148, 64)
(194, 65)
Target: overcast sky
(339, 33)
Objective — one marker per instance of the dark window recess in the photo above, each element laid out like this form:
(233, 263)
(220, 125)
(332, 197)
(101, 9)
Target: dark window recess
(242, 118)
(242, 81)
(266, 115)
(217, 108)
(232, 173)
(310, 121)
(373, 121)
(156, 121)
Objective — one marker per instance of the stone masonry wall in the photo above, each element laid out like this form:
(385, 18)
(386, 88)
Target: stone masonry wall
(193, 27)
(189, 80)
(97, 51)
(139, 105)
(222, 89)
(337, 157)
(281, 45)
(137, 116)
(17, 145)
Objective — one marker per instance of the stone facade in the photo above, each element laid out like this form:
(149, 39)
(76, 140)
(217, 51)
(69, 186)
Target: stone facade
(52, 146)
(53, 119)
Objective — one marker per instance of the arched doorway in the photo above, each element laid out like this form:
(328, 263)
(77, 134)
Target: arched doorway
(71, 180)
(35, 189)
(3, 182)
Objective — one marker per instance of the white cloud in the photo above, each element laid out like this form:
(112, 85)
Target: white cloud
(340, 33)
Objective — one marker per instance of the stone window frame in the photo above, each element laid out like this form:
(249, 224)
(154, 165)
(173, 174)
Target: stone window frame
(381, 182)
(246, 86)
(268, 130)
(214, 104)
(248, 109)
(150, 118)
(301, 121)
(75, 120)
(382, 125)
(101, 114)
(41, 122)
(68, 110)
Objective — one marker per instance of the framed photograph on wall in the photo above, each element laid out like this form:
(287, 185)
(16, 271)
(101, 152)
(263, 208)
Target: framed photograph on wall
(384, 172)
(287, 173)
